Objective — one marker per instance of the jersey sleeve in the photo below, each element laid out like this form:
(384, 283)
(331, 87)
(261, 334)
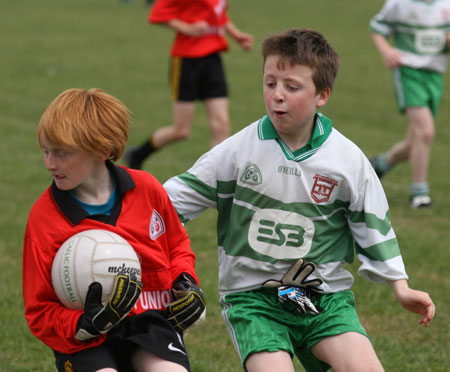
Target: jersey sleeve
(375, 241)
(48, 320)
(196, 189)
(182, 258)
(383, 22)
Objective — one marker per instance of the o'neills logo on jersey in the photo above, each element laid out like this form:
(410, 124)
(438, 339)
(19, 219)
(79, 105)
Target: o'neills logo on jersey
(157, 227)
(322, 188)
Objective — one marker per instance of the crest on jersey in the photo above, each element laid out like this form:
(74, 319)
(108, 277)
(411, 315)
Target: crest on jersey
(322, 188)
(157, 227)
(252, 175)
(446, 14)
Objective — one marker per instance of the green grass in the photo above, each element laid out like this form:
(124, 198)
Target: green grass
(47, 46)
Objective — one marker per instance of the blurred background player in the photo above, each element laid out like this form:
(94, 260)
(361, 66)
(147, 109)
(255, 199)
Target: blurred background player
(420, 30)
(196, 70)
(81, 134)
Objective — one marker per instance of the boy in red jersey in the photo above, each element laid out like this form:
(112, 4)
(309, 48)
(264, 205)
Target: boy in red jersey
(197, 71)
(81, 134)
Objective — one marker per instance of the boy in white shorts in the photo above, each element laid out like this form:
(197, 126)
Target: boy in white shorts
(294, 199)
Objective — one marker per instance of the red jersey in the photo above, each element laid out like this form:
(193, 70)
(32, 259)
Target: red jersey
(191, 11)
(56, 216)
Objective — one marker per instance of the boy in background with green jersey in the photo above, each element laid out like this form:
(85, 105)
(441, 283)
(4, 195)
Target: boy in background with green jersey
(295, 199)
(421, 33)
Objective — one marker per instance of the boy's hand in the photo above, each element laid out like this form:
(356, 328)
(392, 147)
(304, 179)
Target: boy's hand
(196, 29)
(391, 56)
(296, 276)
(413, 300)
(245, 40)
(97, 318)
(189, 307)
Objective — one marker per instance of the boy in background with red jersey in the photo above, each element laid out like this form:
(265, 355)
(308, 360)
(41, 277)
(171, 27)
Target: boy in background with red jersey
(196, 71)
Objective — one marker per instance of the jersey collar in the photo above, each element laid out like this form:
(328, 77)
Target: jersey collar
(75, 213)
(322, 129)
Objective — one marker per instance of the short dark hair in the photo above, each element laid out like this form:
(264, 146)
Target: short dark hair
(303, 46)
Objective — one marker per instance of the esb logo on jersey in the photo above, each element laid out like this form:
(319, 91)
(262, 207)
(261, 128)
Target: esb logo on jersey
(322, 188)
(157, 227)
(280, 234)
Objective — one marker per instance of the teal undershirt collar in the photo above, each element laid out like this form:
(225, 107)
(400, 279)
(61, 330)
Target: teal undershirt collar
(93, 209)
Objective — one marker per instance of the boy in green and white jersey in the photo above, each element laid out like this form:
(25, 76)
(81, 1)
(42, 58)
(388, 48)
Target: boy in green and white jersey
(294, 200)
(421, 33)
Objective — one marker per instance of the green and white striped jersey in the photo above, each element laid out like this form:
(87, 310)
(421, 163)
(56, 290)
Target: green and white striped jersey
(321, 203)
(419, 29)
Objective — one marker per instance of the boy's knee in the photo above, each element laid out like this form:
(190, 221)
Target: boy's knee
(183, 135)
(180, 133)
(428, 135)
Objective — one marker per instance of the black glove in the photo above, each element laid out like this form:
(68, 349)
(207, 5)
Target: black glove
(189, 307)
(99, 318)
(294, 288)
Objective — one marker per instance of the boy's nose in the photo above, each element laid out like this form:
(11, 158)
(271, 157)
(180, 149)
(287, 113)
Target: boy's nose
(278, 94)
(49, 162)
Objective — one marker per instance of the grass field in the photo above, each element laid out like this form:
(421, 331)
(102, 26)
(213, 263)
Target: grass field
(47, 46)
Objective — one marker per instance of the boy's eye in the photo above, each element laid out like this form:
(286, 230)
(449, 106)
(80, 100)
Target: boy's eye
(62, 153)
(292, 87)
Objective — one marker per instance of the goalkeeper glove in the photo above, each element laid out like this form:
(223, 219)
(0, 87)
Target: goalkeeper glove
(99, 318)
(189, 307)
(299, 297)
(295, 288)
(296, 277)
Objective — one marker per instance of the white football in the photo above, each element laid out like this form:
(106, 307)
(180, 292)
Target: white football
(91, 256)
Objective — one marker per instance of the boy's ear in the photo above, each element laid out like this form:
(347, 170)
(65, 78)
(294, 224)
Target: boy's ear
(104, 157)
(323, 96)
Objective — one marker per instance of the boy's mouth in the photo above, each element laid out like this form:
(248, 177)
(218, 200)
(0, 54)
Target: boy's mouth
(279, 112)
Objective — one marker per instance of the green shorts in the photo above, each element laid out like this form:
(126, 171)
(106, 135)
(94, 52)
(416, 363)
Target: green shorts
(257, 321)
(420, 88)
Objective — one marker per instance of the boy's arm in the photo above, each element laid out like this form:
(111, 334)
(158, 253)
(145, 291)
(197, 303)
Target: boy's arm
(413, 300)
(168, 13)
(390, 55)
(243, 39)
(195, 29)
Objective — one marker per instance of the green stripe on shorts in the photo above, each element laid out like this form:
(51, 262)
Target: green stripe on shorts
(257, 322)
